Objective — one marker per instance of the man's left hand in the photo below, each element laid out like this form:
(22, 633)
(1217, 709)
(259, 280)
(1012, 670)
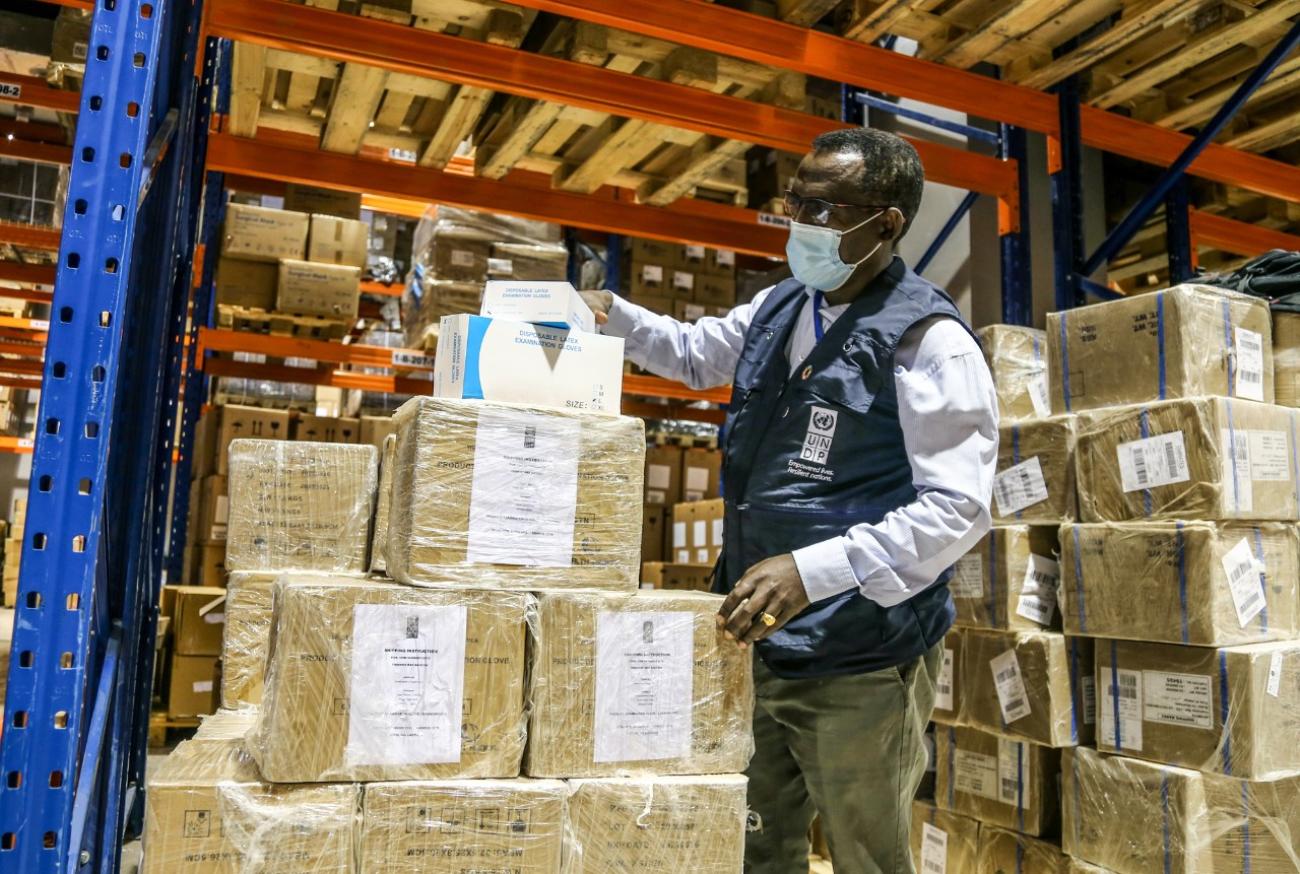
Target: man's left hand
(772, 587)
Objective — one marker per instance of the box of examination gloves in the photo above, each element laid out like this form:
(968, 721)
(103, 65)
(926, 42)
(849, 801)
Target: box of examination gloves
(552, 304)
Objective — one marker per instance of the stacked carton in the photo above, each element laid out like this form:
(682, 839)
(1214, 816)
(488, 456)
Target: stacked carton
(686, 282)
(13, 554)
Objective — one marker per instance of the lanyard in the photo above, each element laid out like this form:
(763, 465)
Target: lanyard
(818, 331)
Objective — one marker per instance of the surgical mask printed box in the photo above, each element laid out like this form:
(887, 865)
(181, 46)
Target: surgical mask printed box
(372, 681)
(515, 362)
(943, 841)
(553, 304)
(1035, 479)
(637, 683)
(996, 780)
(1010, 581)
(256, 233)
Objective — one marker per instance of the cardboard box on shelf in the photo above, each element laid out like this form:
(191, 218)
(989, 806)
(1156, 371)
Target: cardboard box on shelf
(1182, 342)
(255, 233)
(325, 201)
(1017, 359)
(247, 639)
(221, 424)
(663, 475)
(720, 262)
(207, 565)
(996, 780)
(1035, 479)
(517, 362)
(247, 283)
(339, 241)
(326, 429)
(192, 690)
(687, 311)
(198, 618)
(308, 288)
(636, 683)
(715, 291)
(677, 577)
(655, 303)
(461, 258)
(650, 280)
(1202, 458)
(701, 474)
(697, 532)
(654, 517)
(1286, 358)
(335, 703)
(529, 261)
(1010, 580)
(682, 284)
(948, 689)
(508, 496)
(943, 841)
(551, 304)
(655, 251)
(213, 509)
(1199, 583)
(691, 257)
(374, 429)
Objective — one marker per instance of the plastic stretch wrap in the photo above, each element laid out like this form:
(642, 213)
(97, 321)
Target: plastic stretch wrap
(639, 683)
(1204, 458)
(1034, 685)
(247, 639)
(1078, 866)
(374, 402)
(300, 506)
(1008, 852)
(1034, 483)
(656, 825)
(505, 496)
(226, 725)
(996, 780)
(383, 505)
(460, 826)
(1234, 710)
(1180, 582)
(1286, 358)
(1017, 358)
(209, 812)
(427, 299)
(1009, 582)
(371, 681)
(1181, 342)
(943, 842)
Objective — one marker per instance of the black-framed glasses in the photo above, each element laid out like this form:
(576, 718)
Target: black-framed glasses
(817, 210)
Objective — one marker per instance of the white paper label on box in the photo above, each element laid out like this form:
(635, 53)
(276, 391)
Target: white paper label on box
(644, 683)
(658, 476)
(700, 532)
(1250, 365)
(682, 280)
(653, 496)
(1178, 699)
(679, 535)
(725, 258)
(968, 577)
(1275, 674)
(1155, 461)
(524, 493)
(1014, 776)
(697, 479)
(652, 273)
(214, 618)
(976, 774)
(717, 533)
(1010, 686)
(1238, 488)
(695, 253)
(934, 850)
(943, 689)
(1039, 395)
(221, 515)
(682, 556)
(1038, 599)
(406, 685)
(501, 266)
(1020, 486)
(203, 686)
(1129, 696)
(1242, 573)
(702, 556)
(462, 258)
(1270, 456)
(1088, 692)
(692, 496)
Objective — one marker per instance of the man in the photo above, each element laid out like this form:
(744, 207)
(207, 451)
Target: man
(860, 447)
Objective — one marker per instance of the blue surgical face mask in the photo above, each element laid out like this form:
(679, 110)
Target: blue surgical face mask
(814, 254)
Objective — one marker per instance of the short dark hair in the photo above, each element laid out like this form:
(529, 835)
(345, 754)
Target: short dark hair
(892, 172)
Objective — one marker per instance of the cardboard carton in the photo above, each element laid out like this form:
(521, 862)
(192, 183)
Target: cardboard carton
(688, 311)
(655, 251)
(697, 532)
(719, 262)
(212, 516)
(255, 233)
(663, 475)
(304, 506)
(651, 279)
(701, 474)
(1253, 824)
(325, 201)
(222, 424)
(1003, 852)
(198, 615)
(326, 429)
(654, 519)
(682, 284)
(461, 257)
(1009, 581)
(529, 262)
(1286, 358)
(551, 304)
(247, 639)
(383, 507)
(1017, 359)
(374, 429)
(1199, 583)
(1182, 342)
(192, 690)
(996, 780)
(660, 824)
(715, 291)
(678, 577)
(948, 689)
(247, 283)
(207, 565)
(1203, 458)
(1035, 479)
(308, 288)
(371, 681)
(639, 683)
(339, 241)
(508, 496)
(943, 841)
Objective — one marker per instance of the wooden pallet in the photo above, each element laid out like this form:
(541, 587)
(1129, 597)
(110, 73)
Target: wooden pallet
(165, 731)
(259, 321)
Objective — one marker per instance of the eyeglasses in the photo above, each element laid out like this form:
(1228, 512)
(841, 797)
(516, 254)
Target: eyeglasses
(818, 211)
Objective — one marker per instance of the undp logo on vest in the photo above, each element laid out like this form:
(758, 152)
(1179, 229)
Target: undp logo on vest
(821, 431)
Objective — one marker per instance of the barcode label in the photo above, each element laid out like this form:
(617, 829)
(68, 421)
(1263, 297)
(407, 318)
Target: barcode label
(1250, 365)
(968, 577)
(943, 688)
(1015, 773)
(934, 850)
(1275, 674)
(1155, 461)
(1129, 696)
(1038, 592)
(1010, 686)
(1019, 487)
(1088, 692)
(1039, 395)
(1238, 485)
(404, 358)
(1128, 687)
(1245, 581)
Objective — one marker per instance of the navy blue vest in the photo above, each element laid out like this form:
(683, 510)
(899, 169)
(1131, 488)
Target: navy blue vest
(810, 455)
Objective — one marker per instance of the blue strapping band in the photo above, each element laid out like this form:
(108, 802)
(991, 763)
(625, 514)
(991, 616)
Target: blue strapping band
(1020, 784)
(1223, 712)
(1015, 459)
(1160, 340)
(993, 580)
(1078, 798)
(1078, 583)
(1065, 362)
(1114, 692)
(1295, 467)
(1181, 545)
(952, 780)
(1245, 827)
(1164, 820)
(1232, 463)
(1144, 429)
(1020, 856)
(1263, 579)
(1227, 349)
(1075, 688)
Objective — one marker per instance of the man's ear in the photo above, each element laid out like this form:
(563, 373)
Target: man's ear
(892, 224)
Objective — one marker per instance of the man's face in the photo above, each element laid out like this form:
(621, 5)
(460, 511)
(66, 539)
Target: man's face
(833, 176)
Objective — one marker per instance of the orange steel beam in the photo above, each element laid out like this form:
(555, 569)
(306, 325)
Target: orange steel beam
(371, 287)
(35, 274)
(1240, 238)
(21, 365)
(24, 329)
(395, 47)
(655, 387)
(716, 226)
(307, 376)
(30, 236)
(30, 91)
(35, 295)
(32, 131)
(23, 350)
(646, 410)
(768, 41)
(221, 340)
(41, 153)
(87, 5)
(21, 445)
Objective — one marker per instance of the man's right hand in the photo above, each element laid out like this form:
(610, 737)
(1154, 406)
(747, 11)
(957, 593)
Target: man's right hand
(600, 301)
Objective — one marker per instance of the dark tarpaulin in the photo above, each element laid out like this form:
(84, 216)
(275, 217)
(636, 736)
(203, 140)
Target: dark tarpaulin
(1274, 276)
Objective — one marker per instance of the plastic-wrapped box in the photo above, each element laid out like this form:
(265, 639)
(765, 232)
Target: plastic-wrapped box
(371, 681)
(996, 780)
(226, 725)
(1002, 851)
(247, 638)
(1286, 358)
(209, 812)
(656, 824)
(1233, 710)
(943, 841)
(1017, 359)
(1182, 342)
(1134, 817)
(1199, 583)
(1009, 582)
(1035, 685)
(1034, 483)
(1078, 866)
(1254, 825)
(383, 505)
(1202, 458)
(506, 496)
(642, 683)
(300, 506)
(948, 690)
(460, 826)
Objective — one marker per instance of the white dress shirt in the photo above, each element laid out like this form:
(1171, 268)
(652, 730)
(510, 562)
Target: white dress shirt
(948, 411)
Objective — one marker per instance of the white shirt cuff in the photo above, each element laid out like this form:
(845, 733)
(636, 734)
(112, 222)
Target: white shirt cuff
(825, 570)
(623, 318)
